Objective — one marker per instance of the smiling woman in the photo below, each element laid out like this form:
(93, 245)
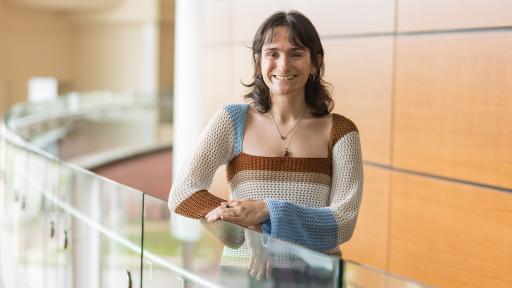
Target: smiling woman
(294, 168)
(285, 68)
(286, 41)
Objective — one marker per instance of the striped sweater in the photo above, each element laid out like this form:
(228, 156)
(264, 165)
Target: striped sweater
(312, 202)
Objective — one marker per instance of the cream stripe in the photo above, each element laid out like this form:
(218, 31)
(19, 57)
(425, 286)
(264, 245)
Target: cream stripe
(281, 176)
(301, 193)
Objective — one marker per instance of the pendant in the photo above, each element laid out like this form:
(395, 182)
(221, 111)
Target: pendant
(286, 153)
(283, 137)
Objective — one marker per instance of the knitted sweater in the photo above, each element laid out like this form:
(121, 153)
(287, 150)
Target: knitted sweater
(313, 202)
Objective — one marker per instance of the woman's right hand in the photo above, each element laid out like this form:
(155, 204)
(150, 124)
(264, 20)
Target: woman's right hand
(244, 212)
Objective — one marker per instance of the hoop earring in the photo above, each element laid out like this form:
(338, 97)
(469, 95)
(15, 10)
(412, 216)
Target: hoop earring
(312, 77)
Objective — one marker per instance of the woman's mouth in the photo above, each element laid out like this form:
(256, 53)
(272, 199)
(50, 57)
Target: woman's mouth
(284, 77)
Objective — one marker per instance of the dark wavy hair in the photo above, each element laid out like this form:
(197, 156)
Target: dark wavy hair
(302, 34)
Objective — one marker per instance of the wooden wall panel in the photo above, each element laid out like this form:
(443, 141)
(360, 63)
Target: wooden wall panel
(115, 56)
(216, 22)
(370, 240)
(453, 106)
(360, 70)
(34, 43)
(166, 56)
(450, 235)
(330, 17)
(3, 94)
(248, 16)
(454, 14)
(335, 17)
(243, 70)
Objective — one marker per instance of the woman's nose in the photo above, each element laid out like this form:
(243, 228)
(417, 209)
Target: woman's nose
(283, 62)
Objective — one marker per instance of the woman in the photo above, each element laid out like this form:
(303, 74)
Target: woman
(294, 168)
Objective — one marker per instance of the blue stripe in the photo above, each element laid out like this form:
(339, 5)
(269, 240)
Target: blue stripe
(314, 228)
(237, 113)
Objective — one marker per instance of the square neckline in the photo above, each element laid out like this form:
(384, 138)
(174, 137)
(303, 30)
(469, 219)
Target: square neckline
(329, 153)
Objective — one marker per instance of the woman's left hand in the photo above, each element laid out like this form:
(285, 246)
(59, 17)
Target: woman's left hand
(245, 212)
(260, 264)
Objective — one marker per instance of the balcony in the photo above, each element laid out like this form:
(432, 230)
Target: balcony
(65, 226)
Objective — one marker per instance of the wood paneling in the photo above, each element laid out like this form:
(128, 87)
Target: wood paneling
(370, 239)
(450, 235)
(243, 70)
(330, 17)
(335, 17)
(166, 56)
(216, 22)
(360, 71)
(453, 14)
(453, 106)
(116, 56)
(33, 43)
(248, 16)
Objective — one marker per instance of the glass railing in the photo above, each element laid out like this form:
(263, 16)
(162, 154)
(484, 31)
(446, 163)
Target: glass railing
(64, 226)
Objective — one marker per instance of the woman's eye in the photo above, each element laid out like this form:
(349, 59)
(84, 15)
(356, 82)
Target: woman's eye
(272, 55)
(296, 55)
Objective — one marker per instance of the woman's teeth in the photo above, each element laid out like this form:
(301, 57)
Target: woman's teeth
(284, 77)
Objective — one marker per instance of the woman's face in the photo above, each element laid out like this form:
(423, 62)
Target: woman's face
(285, 67)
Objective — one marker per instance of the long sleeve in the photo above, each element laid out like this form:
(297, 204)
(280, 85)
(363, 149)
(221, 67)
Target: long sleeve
(189, 194)
(326, 227)
(229, 234)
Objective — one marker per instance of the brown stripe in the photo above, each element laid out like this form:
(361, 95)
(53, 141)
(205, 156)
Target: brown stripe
(244, 161)
(340, 127)
(198, 204)
(280, 176)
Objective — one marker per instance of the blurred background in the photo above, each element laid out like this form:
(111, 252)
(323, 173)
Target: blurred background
(85, 45)
(428, 83)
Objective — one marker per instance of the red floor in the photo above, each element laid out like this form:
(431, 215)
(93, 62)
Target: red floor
(149, 173)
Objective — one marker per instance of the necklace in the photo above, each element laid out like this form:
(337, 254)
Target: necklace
(292, 131)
